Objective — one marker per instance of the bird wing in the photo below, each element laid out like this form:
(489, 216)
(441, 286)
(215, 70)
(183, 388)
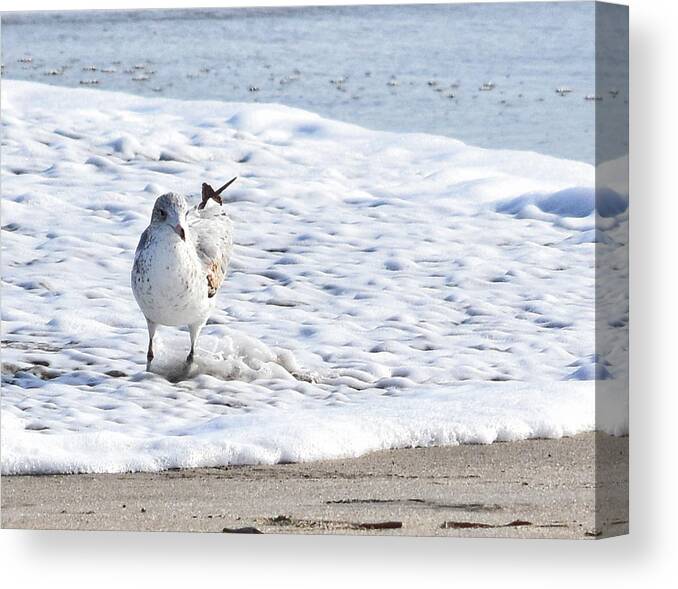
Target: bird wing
(141, 246)
(143, 241)
(213, 237)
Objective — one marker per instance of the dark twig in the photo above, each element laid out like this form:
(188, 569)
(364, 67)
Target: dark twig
(209, 192)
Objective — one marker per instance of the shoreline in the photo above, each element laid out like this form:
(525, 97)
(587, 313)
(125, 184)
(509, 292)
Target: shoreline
(530, 489)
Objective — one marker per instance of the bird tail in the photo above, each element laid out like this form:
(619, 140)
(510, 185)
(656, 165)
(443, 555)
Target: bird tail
(209, 192)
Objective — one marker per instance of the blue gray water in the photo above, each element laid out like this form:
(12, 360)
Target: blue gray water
(399, 68)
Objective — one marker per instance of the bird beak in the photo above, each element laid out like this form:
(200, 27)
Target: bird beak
(179, 230)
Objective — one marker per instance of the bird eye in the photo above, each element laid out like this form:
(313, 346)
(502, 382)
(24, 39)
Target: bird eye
(162, 213)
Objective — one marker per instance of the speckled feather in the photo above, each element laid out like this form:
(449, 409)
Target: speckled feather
(212, 234)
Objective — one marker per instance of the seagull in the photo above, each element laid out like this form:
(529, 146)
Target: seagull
(180, 263)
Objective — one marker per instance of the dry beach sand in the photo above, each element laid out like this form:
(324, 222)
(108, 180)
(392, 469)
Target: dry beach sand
(527, 489)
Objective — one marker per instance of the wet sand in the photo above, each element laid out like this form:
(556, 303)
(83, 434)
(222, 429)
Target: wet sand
(530, 489)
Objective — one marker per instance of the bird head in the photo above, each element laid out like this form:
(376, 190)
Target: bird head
(170, 209)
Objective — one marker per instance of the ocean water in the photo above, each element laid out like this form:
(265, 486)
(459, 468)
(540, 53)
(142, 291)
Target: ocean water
(394, 68)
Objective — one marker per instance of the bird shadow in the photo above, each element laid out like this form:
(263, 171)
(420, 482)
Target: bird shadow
(173, 370)
(181, 372)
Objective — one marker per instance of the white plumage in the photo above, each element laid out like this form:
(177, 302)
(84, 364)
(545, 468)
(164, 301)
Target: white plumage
(180, 263)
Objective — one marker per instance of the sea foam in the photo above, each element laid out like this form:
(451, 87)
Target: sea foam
(387, 290)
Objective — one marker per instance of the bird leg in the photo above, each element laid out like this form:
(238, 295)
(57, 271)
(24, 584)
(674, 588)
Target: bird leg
(194, 329)
(151, 334)
(209, 192)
